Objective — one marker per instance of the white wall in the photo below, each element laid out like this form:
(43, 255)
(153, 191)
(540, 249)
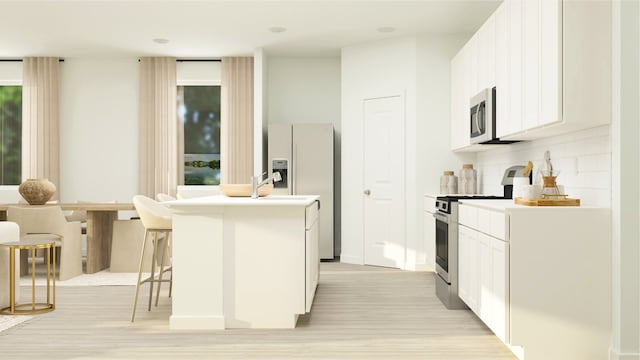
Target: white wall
(432, 136)
(10, 72)
(625, 199)
(583, 159)
(98, 129)
(307, 90)
(376, 69)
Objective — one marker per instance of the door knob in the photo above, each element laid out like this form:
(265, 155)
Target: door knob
(367, 192)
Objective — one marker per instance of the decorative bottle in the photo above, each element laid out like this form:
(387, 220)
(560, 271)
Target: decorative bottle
(448, 183)
(468, 180)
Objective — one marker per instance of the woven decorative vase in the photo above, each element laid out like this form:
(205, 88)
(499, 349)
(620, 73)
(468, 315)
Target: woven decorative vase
(37, 191)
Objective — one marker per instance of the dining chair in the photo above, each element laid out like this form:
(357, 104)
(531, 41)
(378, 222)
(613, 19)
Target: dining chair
(49, 223)
(157, 222)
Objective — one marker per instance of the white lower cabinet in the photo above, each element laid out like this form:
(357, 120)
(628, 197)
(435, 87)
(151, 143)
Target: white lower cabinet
(482, 277)
(312, 255)
(529, 275)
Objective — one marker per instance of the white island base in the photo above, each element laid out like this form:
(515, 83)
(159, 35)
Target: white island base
(243, 263)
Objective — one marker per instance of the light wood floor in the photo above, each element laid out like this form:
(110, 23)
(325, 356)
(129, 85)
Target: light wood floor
(360, 312)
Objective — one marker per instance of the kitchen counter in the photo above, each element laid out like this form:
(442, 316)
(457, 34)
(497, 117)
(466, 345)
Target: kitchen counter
(221, 200)
(504, 205)
(230, 254)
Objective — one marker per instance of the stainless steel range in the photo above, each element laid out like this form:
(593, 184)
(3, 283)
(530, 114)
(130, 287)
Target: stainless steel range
(446, 216)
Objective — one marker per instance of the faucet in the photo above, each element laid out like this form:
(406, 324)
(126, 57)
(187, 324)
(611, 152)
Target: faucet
(257, 183)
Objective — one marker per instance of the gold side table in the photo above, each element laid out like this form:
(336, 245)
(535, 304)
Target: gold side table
(33, 307)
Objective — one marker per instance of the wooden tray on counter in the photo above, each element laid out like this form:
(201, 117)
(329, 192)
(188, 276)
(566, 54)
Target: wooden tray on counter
(547, 202)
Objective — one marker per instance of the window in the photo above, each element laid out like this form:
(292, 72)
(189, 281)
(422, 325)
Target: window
(10, 134)
(199, 111)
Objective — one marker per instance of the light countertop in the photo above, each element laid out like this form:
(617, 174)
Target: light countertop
(504, 205)
(221, 200)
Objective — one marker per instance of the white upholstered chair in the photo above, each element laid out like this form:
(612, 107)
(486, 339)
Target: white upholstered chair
(161, 197)
(9, 232)
(156, 219)
(49, 223)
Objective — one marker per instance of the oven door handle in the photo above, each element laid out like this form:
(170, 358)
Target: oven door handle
(441, 217)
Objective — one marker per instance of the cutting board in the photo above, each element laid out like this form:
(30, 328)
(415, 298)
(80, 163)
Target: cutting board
(547, 202)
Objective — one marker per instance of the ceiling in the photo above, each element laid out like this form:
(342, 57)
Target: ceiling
(210, 28)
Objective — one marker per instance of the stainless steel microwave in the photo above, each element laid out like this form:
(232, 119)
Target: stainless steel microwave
(483, 117)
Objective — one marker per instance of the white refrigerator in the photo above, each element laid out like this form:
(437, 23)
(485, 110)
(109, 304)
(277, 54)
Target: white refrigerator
(303, 154)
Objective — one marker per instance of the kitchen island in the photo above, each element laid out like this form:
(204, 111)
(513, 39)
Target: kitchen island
(243, 262)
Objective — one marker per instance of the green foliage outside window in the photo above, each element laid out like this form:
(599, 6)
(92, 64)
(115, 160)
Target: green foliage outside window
(10, 135)
(199, 110)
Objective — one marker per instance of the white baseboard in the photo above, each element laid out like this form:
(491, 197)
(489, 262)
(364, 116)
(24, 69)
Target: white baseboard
(615, 355)
(424, 267)
(349, 259)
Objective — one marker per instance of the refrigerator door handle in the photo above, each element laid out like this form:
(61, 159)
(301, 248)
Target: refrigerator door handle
(294, 168)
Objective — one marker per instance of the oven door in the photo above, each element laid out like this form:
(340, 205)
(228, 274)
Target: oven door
(442, 245)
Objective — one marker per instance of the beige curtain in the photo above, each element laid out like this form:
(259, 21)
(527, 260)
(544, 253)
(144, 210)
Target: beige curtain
(40, 120)
(236, 107)
(159, 163)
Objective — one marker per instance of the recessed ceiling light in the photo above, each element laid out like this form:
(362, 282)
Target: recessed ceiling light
(386, 29)
(160, 41)
(277, 29)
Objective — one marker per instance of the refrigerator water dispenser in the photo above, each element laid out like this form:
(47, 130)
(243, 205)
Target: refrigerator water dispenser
(281, 166)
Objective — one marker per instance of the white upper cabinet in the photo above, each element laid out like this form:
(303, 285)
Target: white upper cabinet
(561, 65)
(550, 61)
(472, 70)
(460, 90)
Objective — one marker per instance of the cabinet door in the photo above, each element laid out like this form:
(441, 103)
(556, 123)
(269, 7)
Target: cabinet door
(468, 287)
(474, 65)
(515, 66)
(501, 69)
(499, 286)
(487, 56)
(550, 61)
(531, 63)
(312, 264)
(485, 279)
(460, 99)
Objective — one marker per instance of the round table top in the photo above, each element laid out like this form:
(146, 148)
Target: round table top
(29, 244)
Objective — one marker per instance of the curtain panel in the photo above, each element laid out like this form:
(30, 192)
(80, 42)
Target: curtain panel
(159, 151)
(41, 120)
(236, 110)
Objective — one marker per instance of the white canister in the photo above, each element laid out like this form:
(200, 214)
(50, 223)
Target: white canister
(448, 183)
(468, 179)
(520, 186)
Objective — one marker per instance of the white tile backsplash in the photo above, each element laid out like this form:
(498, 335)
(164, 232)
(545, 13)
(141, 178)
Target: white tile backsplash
(583, 158)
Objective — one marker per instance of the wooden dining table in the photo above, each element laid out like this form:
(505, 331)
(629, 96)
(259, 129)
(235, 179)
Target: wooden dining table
(100, 218)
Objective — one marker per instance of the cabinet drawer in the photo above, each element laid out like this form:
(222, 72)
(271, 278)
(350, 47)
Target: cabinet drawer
(468, 215)
(311, 215)
(492, 223)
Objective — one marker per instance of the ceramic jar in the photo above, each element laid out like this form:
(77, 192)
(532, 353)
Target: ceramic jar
(448, 183)
(37, 191)
(468, 180)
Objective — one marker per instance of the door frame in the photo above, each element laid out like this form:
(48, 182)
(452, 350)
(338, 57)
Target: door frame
(403, 201)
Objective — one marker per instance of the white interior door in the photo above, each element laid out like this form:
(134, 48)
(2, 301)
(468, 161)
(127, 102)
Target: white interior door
(383, 193)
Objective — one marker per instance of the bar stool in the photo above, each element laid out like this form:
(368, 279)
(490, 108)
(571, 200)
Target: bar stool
(156, 219)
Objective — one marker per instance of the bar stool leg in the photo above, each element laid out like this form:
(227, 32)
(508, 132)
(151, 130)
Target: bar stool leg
(164, 253)
(153, 268)
(135, 299)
